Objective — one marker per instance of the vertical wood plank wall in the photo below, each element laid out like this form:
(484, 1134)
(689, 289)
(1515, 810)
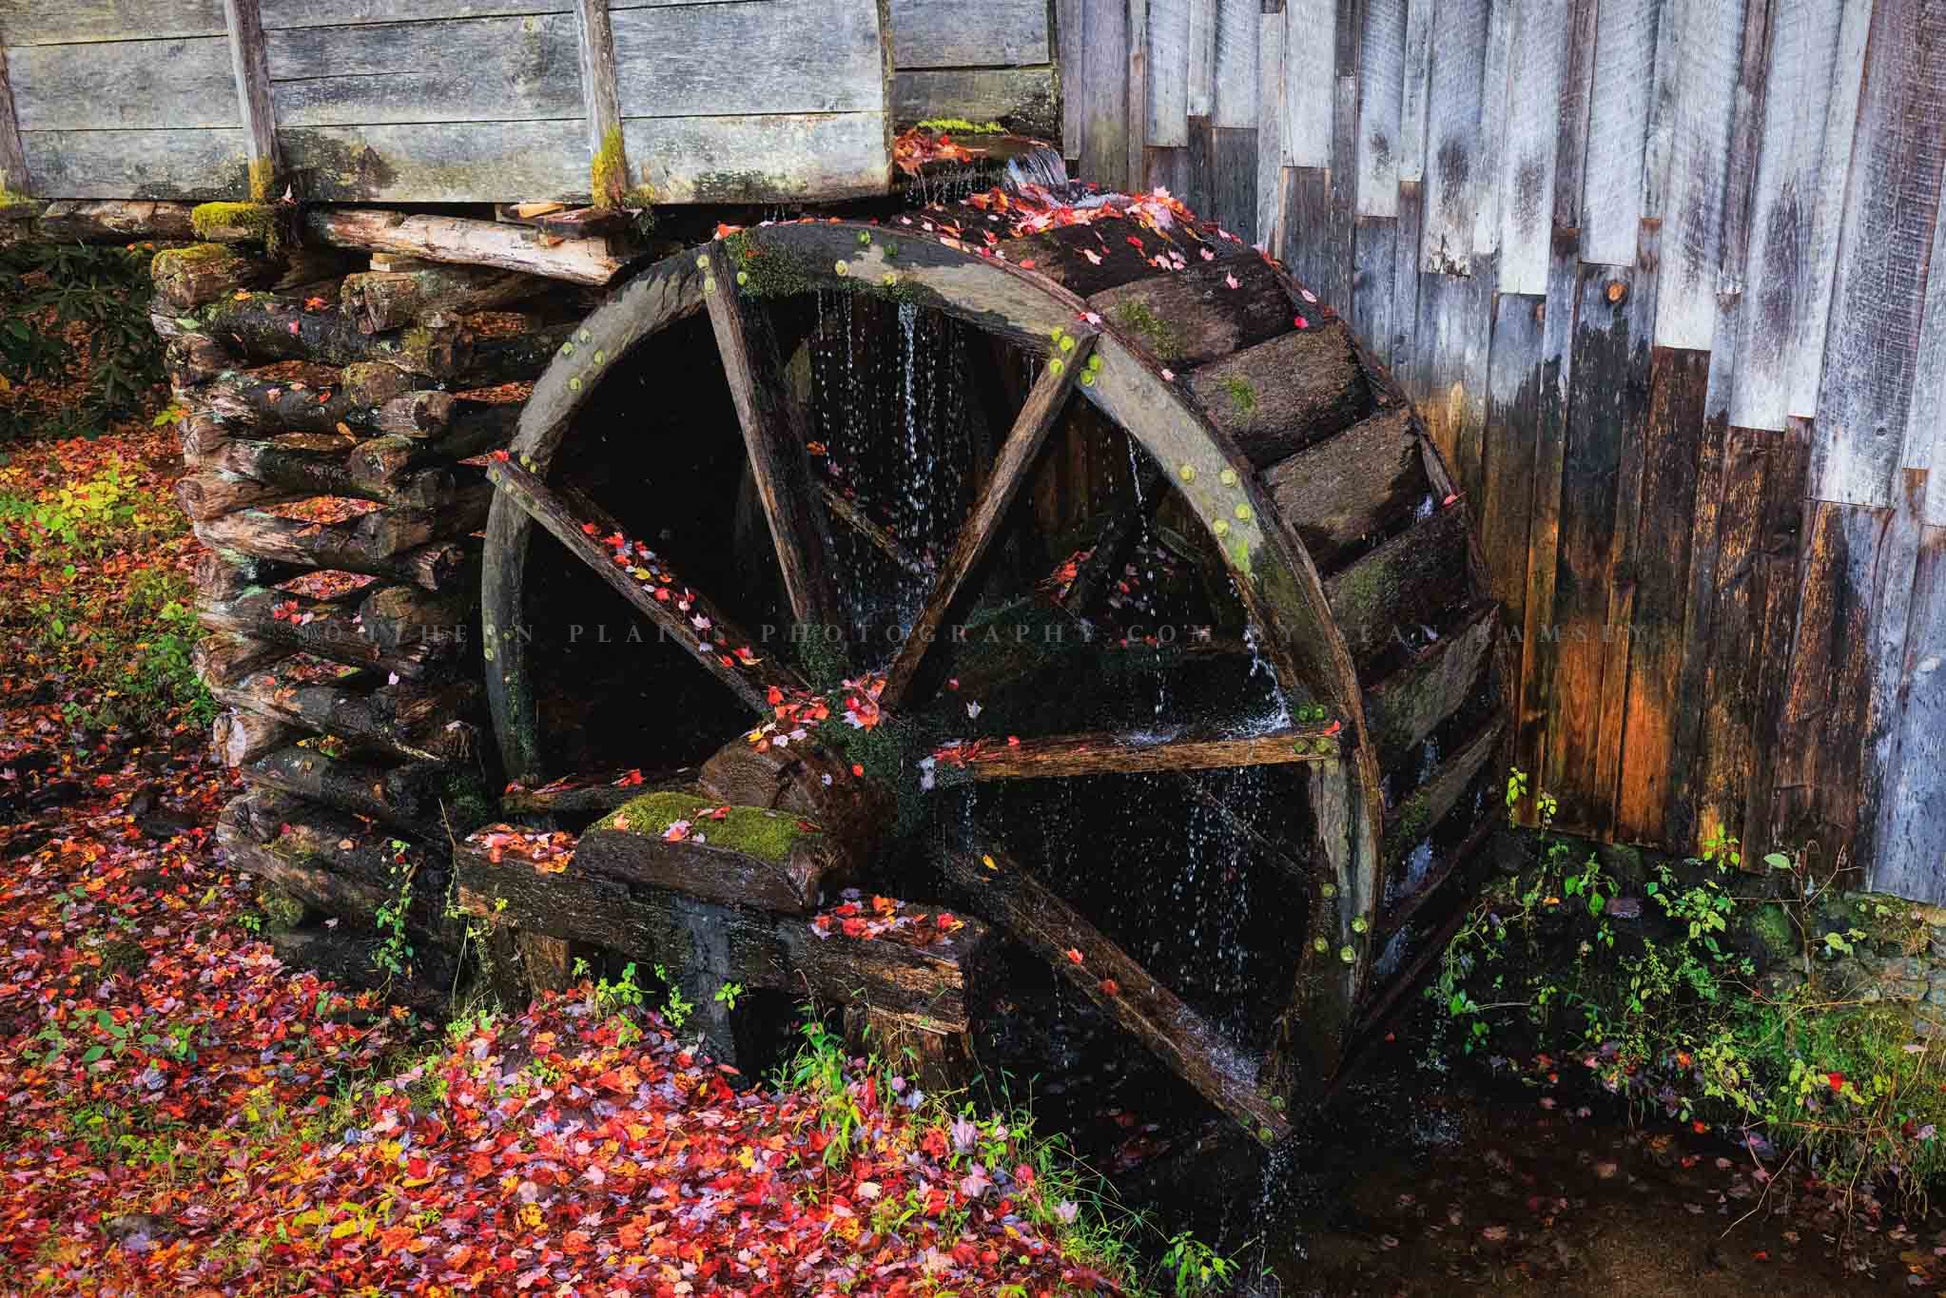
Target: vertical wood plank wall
(1668, 278)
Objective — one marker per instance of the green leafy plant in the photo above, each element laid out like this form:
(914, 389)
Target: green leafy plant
(393, 954)
(81, 312)
(1193, 1267)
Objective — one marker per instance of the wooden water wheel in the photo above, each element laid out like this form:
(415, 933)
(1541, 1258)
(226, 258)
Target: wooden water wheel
(1274, 633)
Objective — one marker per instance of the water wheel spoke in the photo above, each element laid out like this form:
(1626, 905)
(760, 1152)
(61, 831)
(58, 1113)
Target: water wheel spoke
(1104, 752)
(1003, 486)
(1112, 548)
(681, 614)
(774, 437)
(1192, 1047)
(1281, 857)
(848, 512)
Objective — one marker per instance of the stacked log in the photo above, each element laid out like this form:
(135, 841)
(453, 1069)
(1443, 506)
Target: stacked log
(331, 411)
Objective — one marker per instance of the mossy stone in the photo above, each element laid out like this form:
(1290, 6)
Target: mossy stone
(754, 831)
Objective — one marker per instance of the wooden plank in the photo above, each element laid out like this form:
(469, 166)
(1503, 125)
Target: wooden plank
(1829, 199)
(760, 159)
(784, 56)
(1887, 670)
(451, 162)
(1607, 403)
(774, 436)
(252, 73)
(188, 164)
(1381, 92)
(1486, 163)
(1511, 442)
(1538, 631)
(1657, 565)
(1101, 753)
(122, 85)
(1168, 73)
(1201, 58)
(1118, 986)
(1878, 294)
(1271, 147)
(1779, 268)
(1408, 705)
(1310, 77)
(1414, 580)
(1099, 85)
(1912, 838)
(37, 22)
(1820, 734)
(1235, 89)
(1232, 180)
(1070, 22)
(1375, 243)
(638, 854)
(1533, 127)
(939, 34)
(336, 13)
(479, 69)
(1925, 432)
(1350, 492)
(1453, 136)
(1452, 335)
(1571, 140)
(1273, 399)
(14, 179)
(1710, 37)
(1618, 126)
(1420, 812)
(973, 94)
(976, 535)
(609, 175)
(1416, 86)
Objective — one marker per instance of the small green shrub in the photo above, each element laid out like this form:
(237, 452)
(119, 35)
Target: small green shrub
(57, 381)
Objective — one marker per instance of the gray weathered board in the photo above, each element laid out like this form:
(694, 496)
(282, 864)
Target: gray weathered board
(489, 100)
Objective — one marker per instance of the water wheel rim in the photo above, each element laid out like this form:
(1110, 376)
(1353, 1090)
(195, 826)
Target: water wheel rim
(1280, 586)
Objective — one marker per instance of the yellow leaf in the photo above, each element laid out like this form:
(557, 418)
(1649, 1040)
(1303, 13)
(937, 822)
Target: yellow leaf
(345, 1228)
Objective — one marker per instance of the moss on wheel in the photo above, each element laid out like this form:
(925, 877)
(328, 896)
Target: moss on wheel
(754, 831)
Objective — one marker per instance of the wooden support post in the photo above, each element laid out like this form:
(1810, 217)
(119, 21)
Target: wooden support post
(253, 95)
(608, 175)
(13, 155)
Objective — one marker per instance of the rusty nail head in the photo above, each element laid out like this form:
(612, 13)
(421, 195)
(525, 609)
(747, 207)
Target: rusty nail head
(1617, 290)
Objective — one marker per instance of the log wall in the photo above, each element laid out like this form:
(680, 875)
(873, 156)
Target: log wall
(1665, 277)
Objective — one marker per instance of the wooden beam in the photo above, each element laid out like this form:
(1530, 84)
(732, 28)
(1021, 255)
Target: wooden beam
(1191, 1046)
(1003, 485)
(659, 595)
(252, 65)
(13, 157)
(848, 513)
(1102, 753)
(466, 242)
(774, 437)
(609, 175)
(583, 794)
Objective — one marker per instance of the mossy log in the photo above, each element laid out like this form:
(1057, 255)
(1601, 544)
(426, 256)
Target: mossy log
(457, 426)
(467, 242)
(310, 400)
(397, 628)
(378, 301)
(115, 221)
(387, 479)
(751, 856)
(192, 358)
(221, 660)
(205, 496)
(187, 278)
(1282, 395)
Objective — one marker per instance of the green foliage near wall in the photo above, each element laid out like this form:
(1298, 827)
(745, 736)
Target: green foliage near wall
(77, 351)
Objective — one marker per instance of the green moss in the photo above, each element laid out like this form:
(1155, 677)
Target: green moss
(960, 126)
(608, 173)
(1157, 335)
(263, 180)
(1242, 395)
(751, 830)
(282, 912)
(1771, 926)
(766, 272)
(233, 221)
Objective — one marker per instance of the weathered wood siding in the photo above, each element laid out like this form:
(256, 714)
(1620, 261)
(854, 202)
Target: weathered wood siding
(1668, 278)
(477, 100)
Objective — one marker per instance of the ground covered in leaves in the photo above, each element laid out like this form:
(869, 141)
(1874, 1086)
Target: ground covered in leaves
(182, 1113)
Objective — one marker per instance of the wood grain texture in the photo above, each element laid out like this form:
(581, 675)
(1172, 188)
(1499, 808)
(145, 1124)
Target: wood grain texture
(464, 70)
(187, 164)
(1374, 281)
(760, 159)
(938, 34)
(1416, 85)
(784, 56)
(1271, 148)
(1709, 37)
(1511, 444)
(334, 13)
(1310, 75)
(1878, 293)
(1097, 85)
(1235, 84)
(451, 162)
(36, 22)
(1381, 95)
(973, 94)
(1103, 753)
(251, 68)
(13, 157)
(1925, 433)
(1912, 835)
(124, 85)
(1535, 83)
(1781, 271)
(1168, 73)
(1618, 126)
(1453, 136)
